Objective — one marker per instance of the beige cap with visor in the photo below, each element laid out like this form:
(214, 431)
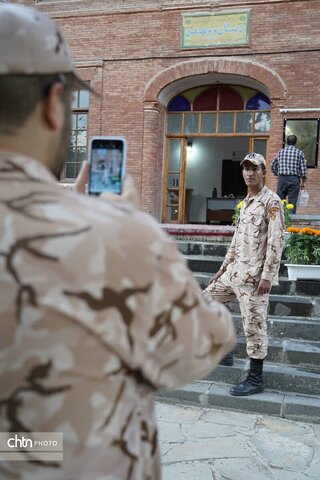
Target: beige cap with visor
(32, 44)
(255, 158)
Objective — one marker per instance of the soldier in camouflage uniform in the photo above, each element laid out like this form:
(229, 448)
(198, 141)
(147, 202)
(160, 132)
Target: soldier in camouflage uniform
(98, 309)
(251, 267)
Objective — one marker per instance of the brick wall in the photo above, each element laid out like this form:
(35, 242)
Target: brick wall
(120, 46)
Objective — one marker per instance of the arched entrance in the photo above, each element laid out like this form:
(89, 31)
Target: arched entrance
(208, 131)
(180, 78)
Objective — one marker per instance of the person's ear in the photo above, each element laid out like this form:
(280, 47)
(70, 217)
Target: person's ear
(53, 109)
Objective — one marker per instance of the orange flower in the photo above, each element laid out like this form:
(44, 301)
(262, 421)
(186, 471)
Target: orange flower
(293, 230)
(306, 231)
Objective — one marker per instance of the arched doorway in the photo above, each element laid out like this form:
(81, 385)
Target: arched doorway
(208, 130)
(177, 78)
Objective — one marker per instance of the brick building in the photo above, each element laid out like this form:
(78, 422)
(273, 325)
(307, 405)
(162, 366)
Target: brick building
(193, 85)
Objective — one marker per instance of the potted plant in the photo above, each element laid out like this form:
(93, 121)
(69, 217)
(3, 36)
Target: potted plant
(302, 246)
(302, 251)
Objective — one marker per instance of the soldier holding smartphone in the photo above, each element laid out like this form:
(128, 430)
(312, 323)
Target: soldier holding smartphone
(98, 309)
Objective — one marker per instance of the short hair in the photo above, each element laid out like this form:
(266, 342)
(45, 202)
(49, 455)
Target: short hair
(292, 140)
(20, 94)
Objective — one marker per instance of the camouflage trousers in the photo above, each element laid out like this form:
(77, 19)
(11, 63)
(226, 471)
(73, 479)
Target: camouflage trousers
(253, 308)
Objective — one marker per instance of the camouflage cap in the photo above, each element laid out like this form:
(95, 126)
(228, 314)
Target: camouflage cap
(255, 158)
(32, 44)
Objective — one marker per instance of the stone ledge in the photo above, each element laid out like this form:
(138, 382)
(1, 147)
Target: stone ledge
(305, 220)
(195, 231)
(209, 394)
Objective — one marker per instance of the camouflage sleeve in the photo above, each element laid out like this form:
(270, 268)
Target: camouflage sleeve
(183, 337)
(230, 253)
(145, 305)
(275, 239)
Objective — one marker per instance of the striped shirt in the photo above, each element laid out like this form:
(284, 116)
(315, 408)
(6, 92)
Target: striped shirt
(289, 161)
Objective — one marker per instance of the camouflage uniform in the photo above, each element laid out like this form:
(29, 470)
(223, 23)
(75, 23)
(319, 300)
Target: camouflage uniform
(254, 253)
(98, 311)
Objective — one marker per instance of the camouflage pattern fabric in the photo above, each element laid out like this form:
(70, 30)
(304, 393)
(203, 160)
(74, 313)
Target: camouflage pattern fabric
(98, 311)
(257, 244)
(253, 308)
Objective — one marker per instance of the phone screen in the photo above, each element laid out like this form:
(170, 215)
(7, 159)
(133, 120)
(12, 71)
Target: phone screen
(107, 164)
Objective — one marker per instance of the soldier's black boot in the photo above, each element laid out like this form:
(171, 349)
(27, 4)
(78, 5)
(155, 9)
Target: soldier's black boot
(253, 383)
(227, 361)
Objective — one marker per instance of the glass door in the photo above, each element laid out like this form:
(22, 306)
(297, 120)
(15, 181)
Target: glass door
(174, 181)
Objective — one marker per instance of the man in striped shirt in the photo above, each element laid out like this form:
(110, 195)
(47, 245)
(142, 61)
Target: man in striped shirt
(290, 166)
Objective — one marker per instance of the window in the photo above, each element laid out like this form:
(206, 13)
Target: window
(307, 133)
(229, 99)
(258, 102)
(221, 110)
(246, 122)
(179, 104)
(77, 151)
(207, 100)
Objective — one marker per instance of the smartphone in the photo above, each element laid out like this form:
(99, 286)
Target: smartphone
(107, 164)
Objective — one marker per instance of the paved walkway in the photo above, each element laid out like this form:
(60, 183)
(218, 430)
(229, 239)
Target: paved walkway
(210, 444)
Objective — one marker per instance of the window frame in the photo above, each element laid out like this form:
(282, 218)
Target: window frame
(76, 111)
(217, 132)
(314, 163)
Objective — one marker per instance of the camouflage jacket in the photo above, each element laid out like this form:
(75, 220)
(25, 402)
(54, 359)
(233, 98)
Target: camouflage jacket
(98, 311)
(257, 244)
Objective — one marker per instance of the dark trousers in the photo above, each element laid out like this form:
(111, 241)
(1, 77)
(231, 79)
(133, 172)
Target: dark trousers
(289, 185)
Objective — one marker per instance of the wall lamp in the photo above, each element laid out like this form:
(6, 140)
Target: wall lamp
(189, 147)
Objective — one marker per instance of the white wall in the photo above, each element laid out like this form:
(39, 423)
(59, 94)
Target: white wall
(204, 168)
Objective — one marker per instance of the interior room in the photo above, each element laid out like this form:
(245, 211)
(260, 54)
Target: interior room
(213, 171)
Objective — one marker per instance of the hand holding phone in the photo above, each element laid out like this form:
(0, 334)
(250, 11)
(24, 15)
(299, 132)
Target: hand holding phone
(107, 165)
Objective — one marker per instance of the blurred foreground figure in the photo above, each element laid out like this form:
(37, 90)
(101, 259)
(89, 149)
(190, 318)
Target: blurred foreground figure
(97, 307)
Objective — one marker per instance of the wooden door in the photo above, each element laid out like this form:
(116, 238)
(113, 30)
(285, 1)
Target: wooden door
(173, 200)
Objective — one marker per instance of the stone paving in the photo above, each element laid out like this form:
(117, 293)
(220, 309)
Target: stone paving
(210, 444)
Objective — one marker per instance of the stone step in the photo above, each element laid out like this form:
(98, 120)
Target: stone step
(199, 232)
(287, 352)
(288, 328)
(305, 408)
(211, 264)
(278, 377)
(204, 249)
(280, 304)
(218, 249)
(285, 287)
(292, 368)
(287, 306)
